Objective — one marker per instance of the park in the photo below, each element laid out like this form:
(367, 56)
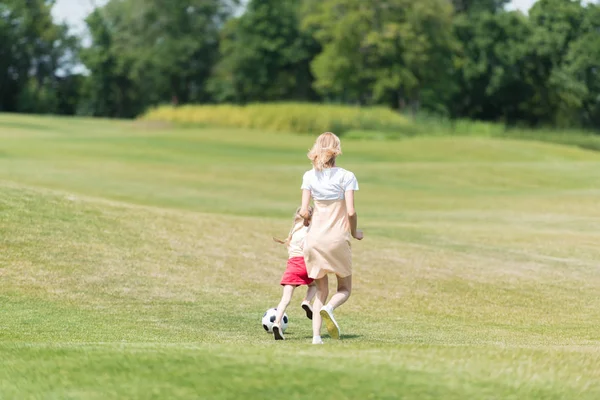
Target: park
(136, 251)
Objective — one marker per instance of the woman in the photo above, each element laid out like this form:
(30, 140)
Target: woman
(327, 248)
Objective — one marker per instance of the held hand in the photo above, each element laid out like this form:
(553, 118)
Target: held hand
(306, 220)
(359, 235)
(305, 214)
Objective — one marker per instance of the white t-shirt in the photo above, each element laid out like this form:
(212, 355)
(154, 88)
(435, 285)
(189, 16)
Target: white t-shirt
(329, 184)
(296, 245)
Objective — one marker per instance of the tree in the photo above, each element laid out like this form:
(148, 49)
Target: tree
(563, 36)
(174, 45)
(35, 53)
(105, 87)
(575, 79)
(375, 50)
(265, 56)
(146, 52)
(493, 64)
(11, 63)
(477, 6)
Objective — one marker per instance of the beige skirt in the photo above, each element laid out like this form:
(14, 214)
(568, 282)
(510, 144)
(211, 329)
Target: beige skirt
(327, 248)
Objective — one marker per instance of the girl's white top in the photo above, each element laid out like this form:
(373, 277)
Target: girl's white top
(296, 245)
(329, 183)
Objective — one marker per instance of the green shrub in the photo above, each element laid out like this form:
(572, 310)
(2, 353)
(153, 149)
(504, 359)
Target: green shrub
(286, 117)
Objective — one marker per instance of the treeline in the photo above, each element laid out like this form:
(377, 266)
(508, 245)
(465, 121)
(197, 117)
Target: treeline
(459, 58)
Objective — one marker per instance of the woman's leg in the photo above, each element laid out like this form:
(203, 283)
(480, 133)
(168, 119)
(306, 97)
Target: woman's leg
(322, 293)
(339, 298)
(344, 288)
(288, 291)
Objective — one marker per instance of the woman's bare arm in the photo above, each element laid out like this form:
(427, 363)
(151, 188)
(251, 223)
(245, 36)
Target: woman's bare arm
(304, 207)
(352, 217)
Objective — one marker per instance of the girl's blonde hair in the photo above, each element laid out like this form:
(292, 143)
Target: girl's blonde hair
(323, 153)
(296, 226)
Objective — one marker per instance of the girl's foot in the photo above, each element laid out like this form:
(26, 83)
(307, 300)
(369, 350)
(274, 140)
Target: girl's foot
(317, 340)
(277, 332)
(307, 307)
(332, 326)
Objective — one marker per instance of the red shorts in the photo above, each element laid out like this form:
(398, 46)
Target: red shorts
(295, 273)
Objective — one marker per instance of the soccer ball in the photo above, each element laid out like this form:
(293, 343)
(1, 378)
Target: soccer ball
(269, 318)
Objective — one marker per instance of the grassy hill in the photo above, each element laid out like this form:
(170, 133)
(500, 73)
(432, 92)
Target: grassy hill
(136, 261)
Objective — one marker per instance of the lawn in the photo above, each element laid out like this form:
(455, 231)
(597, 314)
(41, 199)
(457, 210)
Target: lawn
(136, 261)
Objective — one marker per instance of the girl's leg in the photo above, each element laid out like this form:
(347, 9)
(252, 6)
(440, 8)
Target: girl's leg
(288, 291)
(344, 288)
(311, 290)
(322, 293)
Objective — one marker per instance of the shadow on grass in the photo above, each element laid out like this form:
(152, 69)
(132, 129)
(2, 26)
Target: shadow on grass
(344, 336)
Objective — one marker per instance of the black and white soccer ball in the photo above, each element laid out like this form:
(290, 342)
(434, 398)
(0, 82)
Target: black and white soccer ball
(269, 318)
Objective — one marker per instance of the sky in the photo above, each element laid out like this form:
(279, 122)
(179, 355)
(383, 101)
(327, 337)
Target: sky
(74, 11)
(522, 5)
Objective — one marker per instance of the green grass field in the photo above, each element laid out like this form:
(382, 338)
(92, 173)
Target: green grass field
(136, 261)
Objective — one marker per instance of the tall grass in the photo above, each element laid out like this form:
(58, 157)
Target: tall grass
(370, 123)
(285, 117)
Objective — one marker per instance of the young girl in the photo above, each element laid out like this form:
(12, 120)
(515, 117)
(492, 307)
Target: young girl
(295, 273)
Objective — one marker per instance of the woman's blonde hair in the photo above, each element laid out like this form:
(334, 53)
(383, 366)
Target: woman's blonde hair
(323, 153)
(296, 226)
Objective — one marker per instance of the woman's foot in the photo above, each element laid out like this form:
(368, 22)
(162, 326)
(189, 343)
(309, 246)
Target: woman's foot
(317, 340)
(308, 309)
(277, 332)
(332, 326)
